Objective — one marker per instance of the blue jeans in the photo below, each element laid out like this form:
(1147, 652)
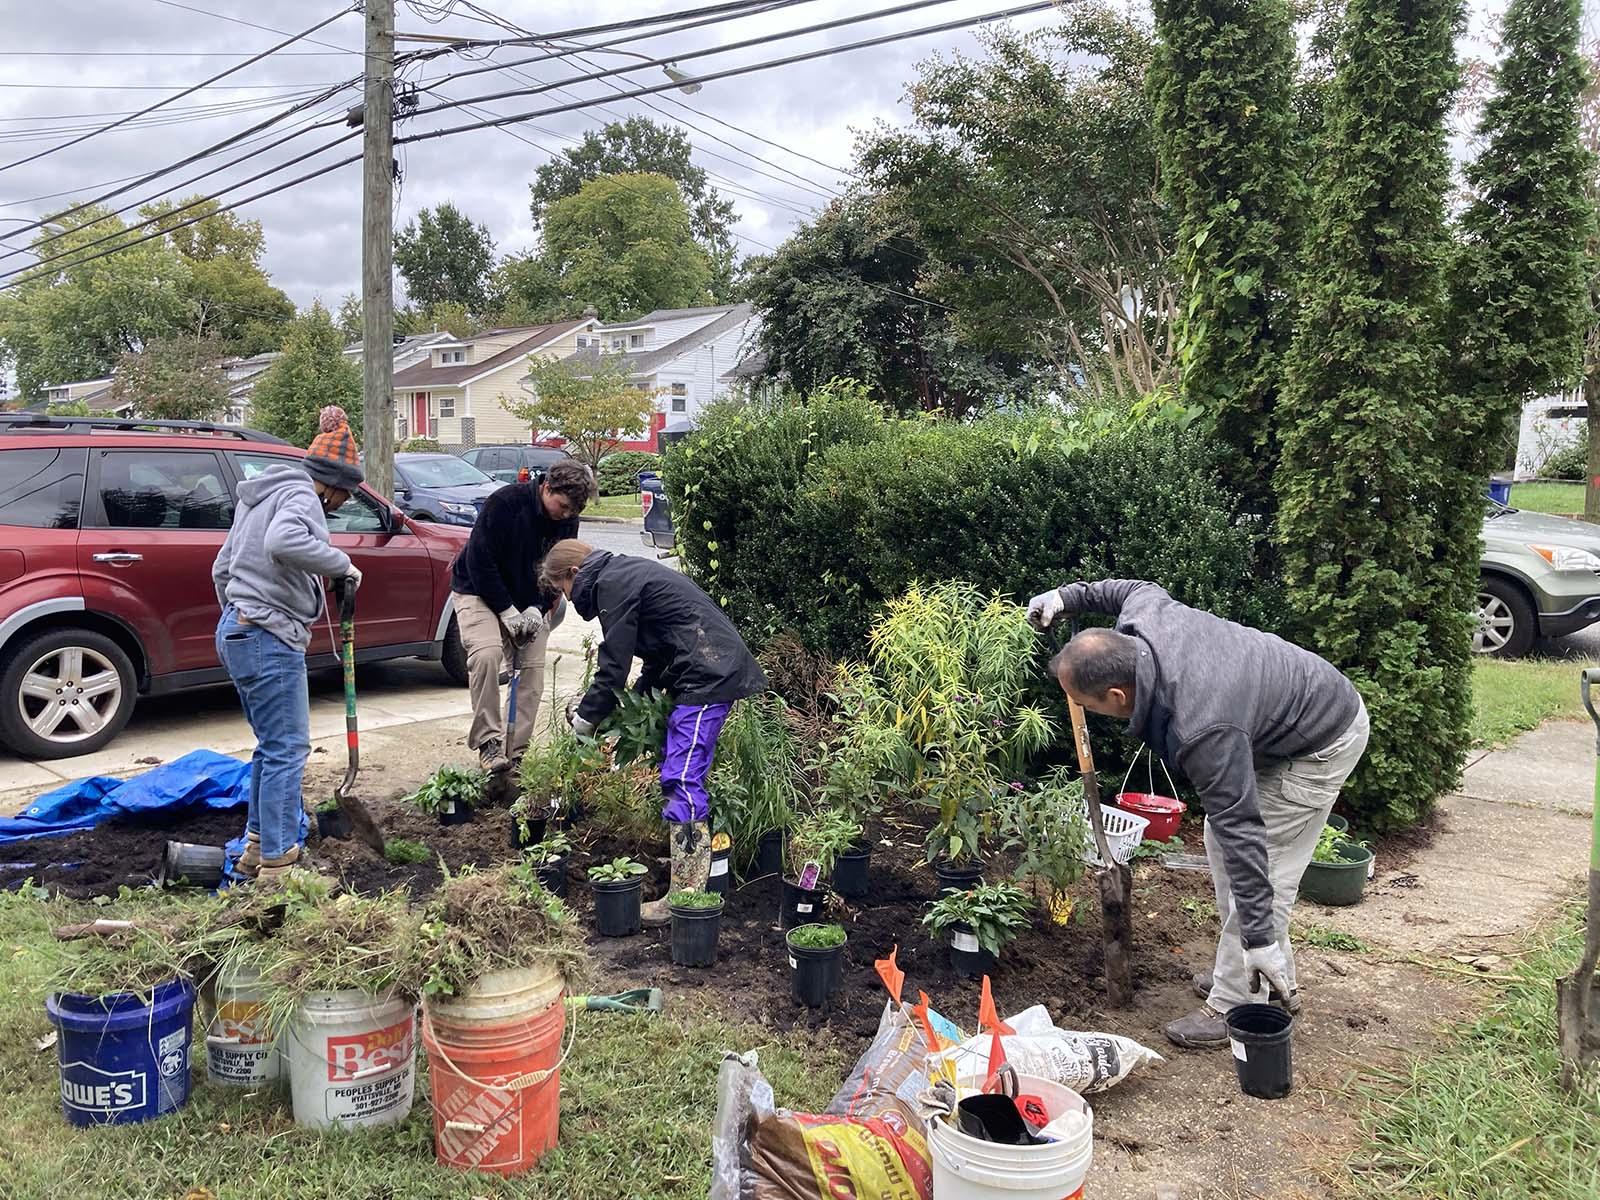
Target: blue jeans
(270, 676)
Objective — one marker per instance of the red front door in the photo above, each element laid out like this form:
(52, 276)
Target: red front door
(419, 414)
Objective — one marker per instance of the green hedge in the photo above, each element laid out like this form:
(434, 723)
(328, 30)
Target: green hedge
(808, 516)
(619, 471)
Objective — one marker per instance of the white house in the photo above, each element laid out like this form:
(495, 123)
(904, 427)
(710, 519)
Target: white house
(687, 356)
(1549, 423)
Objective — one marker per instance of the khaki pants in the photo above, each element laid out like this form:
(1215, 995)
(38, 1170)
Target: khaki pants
(488, 648)
(1295, 797)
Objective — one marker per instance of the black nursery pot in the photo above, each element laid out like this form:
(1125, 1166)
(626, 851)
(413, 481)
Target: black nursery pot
(966, 956)
(553, 875)
(850, 871)
(616, 907)
(1262, 1050)
(717, 880)
(814, 974)
(535, 834)
(333, 823)
(455, 812)
(801, 906)
(957, 879)
(769, 852)
(694, 935)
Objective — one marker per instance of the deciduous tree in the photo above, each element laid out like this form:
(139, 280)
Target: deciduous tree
(590, 403)
(445, 259)
(174, 379)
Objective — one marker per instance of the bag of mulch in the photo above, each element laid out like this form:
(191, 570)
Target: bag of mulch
(1084, 1062)
(868, 1142)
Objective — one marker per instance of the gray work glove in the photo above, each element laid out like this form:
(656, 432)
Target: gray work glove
(1045, 608)
(1267, 964)
(532, 623)
(515, 622)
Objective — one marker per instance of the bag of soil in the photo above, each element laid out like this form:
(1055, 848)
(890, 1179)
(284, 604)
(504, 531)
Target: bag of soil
(868, 1142)
(1084, 1062)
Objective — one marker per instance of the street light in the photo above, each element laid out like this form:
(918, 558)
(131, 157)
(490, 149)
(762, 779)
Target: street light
(687, 84)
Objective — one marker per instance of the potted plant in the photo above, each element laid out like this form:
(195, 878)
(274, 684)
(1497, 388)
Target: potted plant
(817, 838)
(618, 887)
(854, 772)
(552, 775)
(754, 783)
(1046, 825)
(696, 921)
(980, 923)
(332, 821)
(1337, 872)
(815, 954)
(451, 794)
(548, 858)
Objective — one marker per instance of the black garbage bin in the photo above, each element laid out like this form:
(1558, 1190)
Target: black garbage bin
(657, 512)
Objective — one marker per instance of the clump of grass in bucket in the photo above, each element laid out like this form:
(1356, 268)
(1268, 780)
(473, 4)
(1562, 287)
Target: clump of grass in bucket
(156, 945)
(495, 920)
(403, 852)
(817, 937)
(686, 899)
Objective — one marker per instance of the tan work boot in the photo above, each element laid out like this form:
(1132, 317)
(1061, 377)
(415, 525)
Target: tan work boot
(249, 861)
(275, 869)
(691, 869)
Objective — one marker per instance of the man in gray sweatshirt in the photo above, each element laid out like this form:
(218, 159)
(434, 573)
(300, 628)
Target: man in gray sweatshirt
(1265, 731)
(268, 577)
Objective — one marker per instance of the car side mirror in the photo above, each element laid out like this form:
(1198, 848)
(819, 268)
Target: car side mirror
(396, 522)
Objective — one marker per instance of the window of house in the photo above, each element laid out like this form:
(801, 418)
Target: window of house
(680, 397)
(635, 340)
(616, 343)
(447, 406)
(447, 357)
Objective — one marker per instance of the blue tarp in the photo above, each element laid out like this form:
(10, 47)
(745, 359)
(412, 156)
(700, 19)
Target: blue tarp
(201, 777)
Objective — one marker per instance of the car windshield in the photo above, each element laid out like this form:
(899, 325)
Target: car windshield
(442, 470)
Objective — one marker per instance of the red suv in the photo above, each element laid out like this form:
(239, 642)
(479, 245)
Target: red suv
(107, 534)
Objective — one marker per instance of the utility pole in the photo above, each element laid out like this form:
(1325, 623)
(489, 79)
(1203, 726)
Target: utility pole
(377, 250)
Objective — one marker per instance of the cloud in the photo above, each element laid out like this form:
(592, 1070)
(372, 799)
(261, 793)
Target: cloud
(313, 231)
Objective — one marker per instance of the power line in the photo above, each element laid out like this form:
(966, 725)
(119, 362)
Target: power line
(154, 121)
(205, 12)
(189, 91)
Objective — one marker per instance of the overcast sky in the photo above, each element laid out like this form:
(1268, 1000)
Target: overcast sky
(69, 63)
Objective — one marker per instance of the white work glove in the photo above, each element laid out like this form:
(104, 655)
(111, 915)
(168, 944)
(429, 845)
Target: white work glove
(515, 622)
(532, 623)
(579, 726)
(354, 576)
(557, 613)
(1267, 964)
(1045, 608)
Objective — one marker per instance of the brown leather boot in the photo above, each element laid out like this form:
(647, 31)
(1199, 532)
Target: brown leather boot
(690, 842)
(273, 870)
(249, 860)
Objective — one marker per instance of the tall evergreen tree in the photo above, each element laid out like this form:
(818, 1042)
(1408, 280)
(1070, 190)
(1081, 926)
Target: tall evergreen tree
(1223, 94)
(311, 372)
(1366, 411)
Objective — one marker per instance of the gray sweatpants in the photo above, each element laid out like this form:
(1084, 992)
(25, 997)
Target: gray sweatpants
(1295, 796)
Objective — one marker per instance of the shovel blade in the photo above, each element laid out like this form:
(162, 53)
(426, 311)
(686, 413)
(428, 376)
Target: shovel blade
(361, 822)
(1577, 1026)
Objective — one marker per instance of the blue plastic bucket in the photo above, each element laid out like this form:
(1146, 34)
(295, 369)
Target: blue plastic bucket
(123, 1060)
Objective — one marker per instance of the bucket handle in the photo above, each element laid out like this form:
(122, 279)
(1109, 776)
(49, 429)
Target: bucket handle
(1150, 773)
(521, 1082)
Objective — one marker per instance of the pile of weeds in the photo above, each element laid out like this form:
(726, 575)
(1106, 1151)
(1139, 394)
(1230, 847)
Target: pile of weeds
(495, 920)
(627, 802)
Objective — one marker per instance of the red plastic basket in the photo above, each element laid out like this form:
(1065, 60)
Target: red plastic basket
(1164, 813)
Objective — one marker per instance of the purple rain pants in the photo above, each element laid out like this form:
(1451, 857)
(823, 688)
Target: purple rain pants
(692, 731)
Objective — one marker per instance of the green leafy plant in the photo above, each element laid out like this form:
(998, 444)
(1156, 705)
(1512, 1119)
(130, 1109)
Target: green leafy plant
(995, 912)
(688, 899)
(552, 774)
(639, 725)
(463, 785)
(821, 836)
(1324, 937)
(553, 848)
(755, 781)
(419, 445)
(618, 870)
(328, 807)
(1331, 845)
(626, 801)
(403, 852)
(950, 670)
(1046, 825)
(817, 937)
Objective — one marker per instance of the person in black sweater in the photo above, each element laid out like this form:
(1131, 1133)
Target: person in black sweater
(690, 650)
(504, 614)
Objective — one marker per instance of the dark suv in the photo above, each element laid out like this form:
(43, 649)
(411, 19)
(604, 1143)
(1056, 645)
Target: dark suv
(506, 463)
(108, 530)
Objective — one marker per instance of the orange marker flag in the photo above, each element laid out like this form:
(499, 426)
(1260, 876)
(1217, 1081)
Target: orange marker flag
(997, 1059)
(889, 971)
(920, 1011)
(987, 1017)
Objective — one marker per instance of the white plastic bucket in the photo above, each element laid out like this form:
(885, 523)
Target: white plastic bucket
(968, 1168)
(239, 1050)
(352, 1060)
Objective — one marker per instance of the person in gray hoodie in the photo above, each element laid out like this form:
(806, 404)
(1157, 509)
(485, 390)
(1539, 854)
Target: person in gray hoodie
(1266, 732)
(268, 578)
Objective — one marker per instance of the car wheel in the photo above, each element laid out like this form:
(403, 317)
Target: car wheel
(1507, 624)
(65, 692)
(455, 654)
(424, 516)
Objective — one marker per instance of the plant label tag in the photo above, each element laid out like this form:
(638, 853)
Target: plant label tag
(1238, 1049)
(721, 841)
(794, 966)
(449, 808)
(1372, 866)
(808, 877)
(964, 941)
(719, 866)
(803, 908)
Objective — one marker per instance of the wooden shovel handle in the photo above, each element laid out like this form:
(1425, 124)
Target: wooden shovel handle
(1080, 736)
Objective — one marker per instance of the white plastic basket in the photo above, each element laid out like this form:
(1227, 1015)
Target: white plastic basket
(1124, 832)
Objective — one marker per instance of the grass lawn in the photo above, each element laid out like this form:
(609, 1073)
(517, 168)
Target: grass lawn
(1563, 499)
(638, 1096)
(1509, 697)
(628, 506)
(1484, 1117)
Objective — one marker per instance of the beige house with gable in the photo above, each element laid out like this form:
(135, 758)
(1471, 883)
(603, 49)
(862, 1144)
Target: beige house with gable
(454, 396)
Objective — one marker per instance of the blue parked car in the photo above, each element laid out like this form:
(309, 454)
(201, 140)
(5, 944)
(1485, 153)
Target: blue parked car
(440, 487)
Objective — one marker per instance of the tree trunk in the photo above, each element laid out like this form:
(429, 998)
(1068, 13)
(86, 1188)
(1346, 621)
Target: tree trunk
(1591, 397)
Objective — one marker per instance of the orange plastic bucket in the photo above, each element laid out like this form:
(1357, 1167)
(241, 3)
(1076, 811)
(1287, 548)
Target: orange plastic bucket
(494, 1066)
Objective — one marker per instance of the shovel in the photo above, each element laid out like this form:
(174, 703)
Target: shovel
(1577, 1015)
(634, 1000)
(349, 803)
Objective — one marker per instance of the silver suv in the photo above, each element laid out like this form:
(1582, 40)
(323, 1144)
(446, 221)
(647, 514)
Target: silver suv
(1539, 577)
